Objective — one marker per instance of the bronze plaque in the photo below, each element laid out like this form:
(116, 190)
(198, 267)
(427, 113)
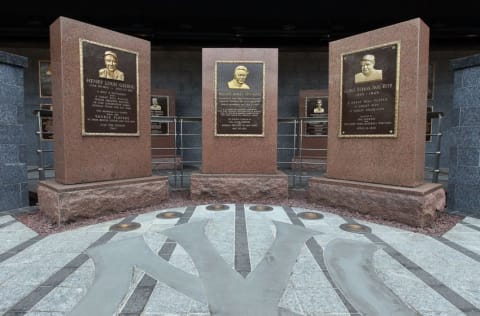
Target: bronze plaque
(158, 108)
(109, 78)
(239, 98)
(369, 92)
(45, 78)
(428, 135)
(317, 107)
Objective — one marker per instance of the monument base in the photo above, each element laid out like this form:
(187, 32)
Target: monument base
(167, 163)
(309, 164)
(64, 202)
(238, 187)
(416, 206)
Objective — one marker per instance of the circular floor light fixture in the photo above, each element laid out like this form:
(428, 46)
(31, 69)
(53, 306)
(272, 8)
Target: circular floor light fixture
(217, 207)
(124, 227)
(356, 228)
(169, 214)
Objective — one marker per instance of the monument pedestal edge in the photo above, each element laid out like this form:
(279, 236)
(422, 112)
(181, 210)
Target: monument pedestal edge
(417, 206)
(65, 202)
(238, 187)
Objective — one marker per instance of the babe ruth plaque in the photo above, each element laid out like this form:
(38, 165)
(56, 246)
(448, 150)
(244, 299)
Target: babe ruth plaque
(369, 92)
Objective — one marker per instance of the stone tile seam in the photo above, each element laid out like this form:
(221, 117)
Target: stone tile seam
(472, 226)
(17, 249)
(7, 223)
(459, 248)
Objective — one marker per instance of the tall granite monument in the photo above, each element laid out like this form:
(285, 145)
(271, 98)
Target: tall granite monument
(239, 126)
(377, 117)
(101, 122)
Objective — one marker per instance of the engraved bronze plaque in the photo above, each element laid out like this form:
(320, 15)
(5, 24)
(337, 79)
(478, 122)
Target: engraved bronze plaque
(47, 128)
(316, 107)
(239, 98)
(428, 135)
(369, 92)
(109, 85)
(431, 81)
(45, 78)
(158, 108)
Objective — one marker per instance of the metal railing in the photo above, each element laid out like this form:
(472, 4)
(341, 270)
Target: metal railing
(186, 132)
(438, 142)
(41, 116)
(294, 140)
(303, 160)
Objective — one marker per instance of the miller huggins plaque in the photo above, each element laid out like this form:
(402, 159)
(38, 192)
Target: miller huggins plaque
(369, 92)
(316, 107)
(239, 98)
(159, 108)
(109, 85)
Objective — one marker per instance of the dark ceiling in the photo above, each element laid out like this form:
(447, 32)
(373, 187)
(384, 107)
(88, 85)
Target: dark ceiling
(289, 24)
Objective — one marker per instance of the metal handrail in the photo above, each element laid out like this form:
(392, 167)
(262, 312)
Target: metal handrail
(297, 135)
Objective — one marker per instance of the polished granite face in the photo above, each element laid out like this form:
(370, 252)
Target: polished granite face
(239, 259)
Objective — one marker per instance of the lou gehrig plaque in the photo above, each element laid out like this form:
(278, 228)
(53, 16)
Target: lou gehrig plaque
(109, 79)
(369, 92)
(239, 98)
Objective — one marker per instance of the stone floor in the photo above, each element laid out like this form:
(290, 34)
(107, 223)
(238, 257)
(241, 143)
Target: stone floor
(239, 261)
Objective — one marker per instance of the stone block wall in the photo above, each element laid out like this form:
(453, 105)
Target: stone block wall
(464, 150)
(13, 168)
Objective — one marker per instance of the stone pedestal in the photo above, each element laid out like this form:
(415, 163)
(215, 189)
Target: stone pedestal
(63, 203)
(238, 187)
(13, 167)
(412, 206)
(464, 157)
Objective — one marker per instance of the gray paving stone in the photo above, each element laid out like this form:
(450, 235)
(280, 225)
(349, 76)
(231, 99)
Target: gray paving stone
(309, 291)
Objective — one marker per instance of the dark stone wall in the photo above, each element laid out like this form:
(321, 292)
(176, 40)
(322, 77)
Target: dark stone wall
(13, 168)
(464, 149)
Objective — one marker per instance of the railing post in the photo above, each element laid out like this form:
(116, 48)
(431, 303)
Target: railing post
(41, 158)
(436, 169)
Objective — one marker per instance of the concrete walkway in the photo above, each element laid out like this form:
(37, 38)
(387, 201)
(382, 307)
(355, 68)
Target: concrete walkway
(239, 261)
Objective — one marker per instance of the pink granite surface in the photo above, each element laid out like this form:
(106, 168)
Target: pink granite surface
(394, 161)
(62, 203)
(418, 206)
(238, 187)
(239, 155)
(81, 159)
